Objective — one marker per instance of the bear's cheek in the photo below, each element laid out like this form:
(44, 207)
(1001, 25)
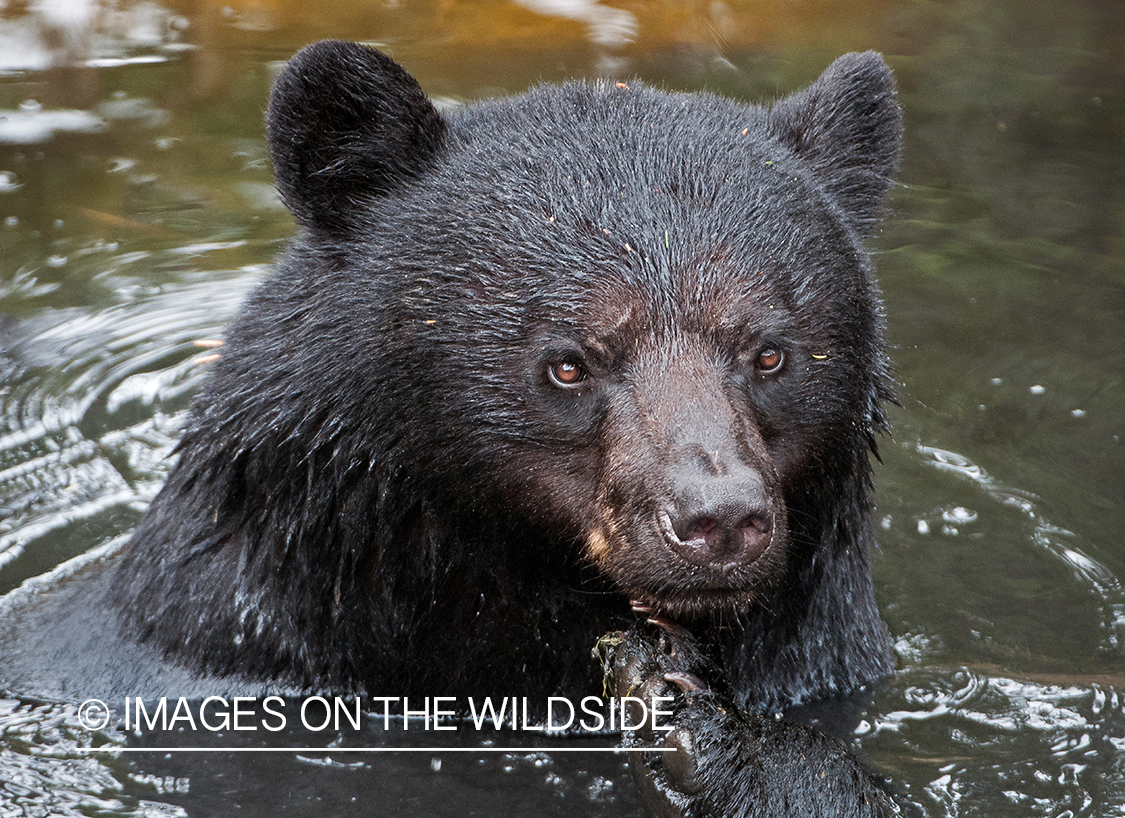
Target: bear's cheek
(556, 487)
(805, 418)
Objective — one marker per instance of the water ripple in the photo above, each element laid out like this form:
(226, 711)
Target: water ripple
(1049, 744)
(93, 406)
(43, 775)
(1102, 582)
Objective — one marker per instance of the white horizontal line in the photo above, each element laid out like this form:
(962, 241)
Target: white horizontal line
(109, 748)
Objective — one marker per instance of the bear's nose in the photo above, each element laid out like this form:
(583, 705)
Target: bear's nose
(721, 521)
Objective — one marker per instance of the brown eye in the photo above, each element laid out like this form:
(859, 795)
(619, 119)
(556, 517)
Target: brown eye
(769, 360)
(566, 374)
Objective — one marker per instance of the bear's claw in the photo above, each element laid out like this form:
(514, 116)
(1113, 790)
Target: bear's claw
(712, 759)
(686, 682)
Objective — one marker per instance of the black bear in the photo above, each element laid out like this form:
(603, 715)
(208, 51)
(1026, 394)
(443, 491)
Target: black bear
(533, 366)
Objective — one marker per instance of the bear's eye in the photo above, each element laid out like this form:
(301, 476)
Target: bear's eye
(566, 374)
(769, 360)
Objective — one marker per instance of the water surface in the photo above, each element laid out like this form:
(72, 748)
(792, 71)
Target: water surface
(137, 209)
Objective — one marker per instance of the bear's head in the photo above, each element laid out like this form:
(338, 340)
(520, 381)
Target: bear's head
(632, 328)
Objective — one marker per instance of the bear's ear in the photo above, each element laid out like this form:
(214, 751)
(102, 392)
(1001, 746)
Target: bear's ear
(848, 125)
(346, 122)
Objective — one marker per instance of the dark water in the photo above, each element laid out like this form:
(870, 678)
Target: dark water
(137, 208)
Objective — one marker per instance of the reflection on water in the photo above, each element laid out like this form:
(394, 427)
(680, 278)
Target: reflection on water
(137, 209)
(604, 25)
(52, 33)
(30, 124)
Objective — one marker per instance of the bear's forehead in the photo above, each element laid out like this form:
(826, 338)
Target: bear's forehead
(616, 281)
(615, 311)
(619, 213)
(605, 135)
(654, 173)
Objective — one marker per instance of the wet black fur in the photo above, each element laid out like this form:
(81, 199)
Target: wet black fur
(378, 493)
(380, 490)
